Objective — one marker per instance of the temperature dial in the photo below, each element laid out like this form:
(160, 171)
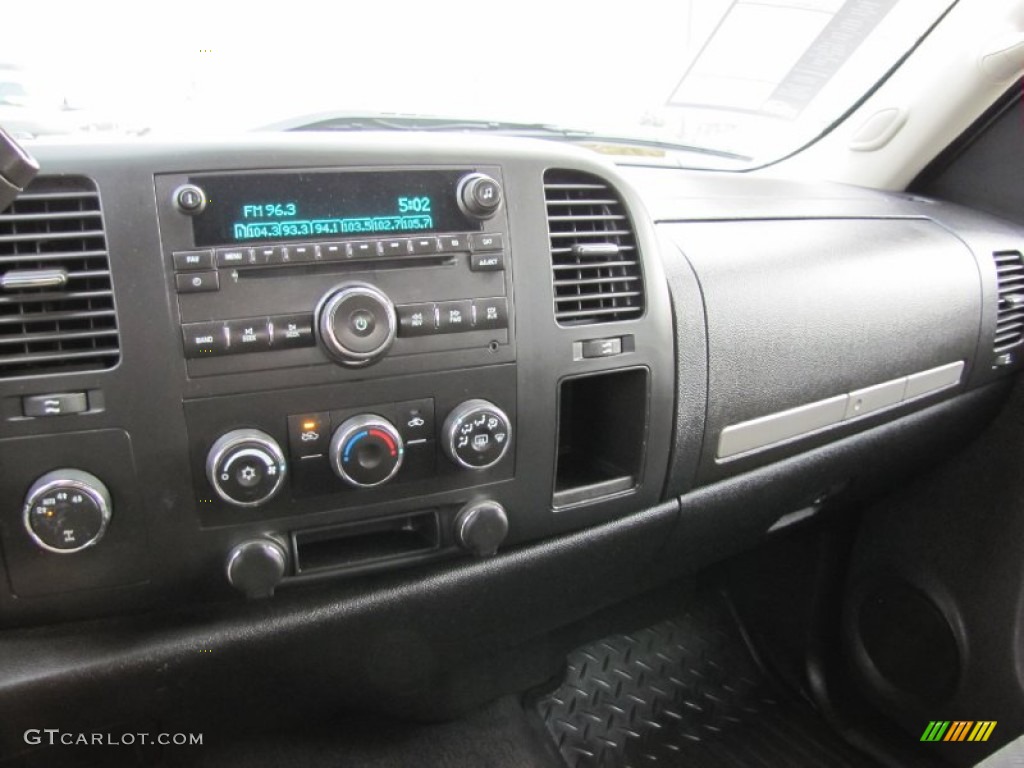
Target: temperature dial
(476, 434)
(246, 467)
(67, 510)
(366, 451)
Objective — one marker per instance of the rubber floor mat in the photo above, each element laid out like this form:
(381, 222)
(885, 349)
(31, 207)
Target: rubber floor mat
(685, 692)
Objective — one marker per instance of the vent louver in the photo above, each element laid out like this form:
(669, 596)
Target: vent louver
(56, 297)
(1010, 314)
(594, 257)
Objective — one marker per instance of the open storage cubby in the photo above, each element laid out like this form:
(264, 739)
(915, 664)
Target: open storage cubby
(602, 428)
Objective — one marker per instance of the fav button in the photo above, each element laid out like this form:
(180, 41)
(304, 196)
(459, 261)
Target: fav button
(184, 260)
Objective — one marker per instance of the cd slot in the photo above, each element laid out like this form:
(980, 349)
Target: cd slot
(334, 267)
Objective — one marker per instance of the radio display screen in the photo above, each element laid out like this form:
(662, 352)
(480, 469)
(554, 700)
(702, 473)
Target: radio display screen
(252, 208)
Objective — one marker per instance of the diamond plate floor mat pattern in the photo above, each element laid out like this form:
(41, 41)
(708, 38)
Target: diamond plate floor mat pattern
(685, 692)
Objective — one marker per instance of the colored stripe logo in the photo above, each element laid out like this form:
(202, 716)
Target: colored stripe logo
(958, 730)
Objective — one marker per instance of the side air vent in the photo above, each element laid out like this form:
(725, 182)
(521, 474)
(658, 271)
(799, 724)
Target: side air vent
(56, 298)
(594, 257)
(1010, 315)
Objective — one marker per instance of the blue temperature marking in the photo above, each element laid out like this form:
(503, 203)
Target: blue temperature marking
(353, 441)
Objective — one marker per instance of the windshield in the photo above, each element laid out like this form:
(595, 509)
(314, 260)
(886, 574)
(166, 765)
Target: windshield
(741, 81)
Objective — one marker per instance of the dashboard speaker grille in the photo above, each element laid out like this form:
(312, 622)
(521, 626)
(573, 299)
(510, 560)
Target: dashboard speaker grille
(1010, 315)
(57, 310)
(594, 257)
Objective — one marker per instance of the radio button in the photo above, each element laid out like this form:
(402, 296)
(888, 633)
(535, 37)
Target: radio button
(333, 251)
(399, 247)
(197, 282)
(455, 316)
(280, 255)
(424, 245)
(454, 243)
(490, 313)
(487, 262)
(416, 320)
(248, 335)
(291, 331)
(263, 254)
(184, 260)
(204, 340)
(363, 249)
(486, 241)
(232, 257)
(302, 253)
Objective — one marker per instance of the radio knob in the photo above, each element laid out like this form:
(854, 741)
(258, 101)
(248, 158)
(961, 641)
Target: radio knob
(66, 511)
(366, 451)
(246, 467)
(479, 195)
(356, 323)
(476, 434)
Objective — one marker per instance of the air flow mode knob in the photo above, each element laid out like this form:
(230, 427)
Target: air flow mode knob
(476, 434)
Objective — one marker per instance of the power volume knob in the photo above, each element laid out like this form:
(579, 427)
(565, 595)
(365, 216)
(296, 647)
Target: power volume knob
(246, 467)
(479, 195)
(356, 323)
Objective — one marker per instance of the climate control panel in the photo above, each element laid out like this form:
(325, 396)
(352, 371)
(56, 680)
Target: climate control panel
(330, 447)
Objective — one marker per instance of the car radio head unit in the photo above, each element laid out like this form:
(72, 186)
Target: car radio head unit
(255, 207)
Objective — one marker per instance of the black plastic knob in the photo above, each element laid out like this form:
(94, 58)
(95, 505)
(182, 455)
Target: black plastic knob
(189, 199)
(246, 467)
(481, 527)
(66, 511)
(356, 323)
(366, 451)
(256, 567)
(479, 195)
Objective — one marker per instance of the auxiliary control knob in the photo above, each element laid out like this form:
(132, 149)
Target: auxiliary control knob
(366, 450)
(246, 467)
(481, 527)
(67, 510)
(356, 323)
(256, 566)
(479, 195)
(476, 434)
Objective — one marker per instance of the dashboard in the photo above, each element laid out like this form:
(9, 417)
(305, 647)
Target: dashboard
(251, 368)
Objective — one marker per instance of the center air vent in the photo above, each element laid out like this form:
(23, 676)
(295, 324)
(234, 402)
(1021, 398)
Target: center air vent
(1010, 315)
(56, 297)
(594, 257)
